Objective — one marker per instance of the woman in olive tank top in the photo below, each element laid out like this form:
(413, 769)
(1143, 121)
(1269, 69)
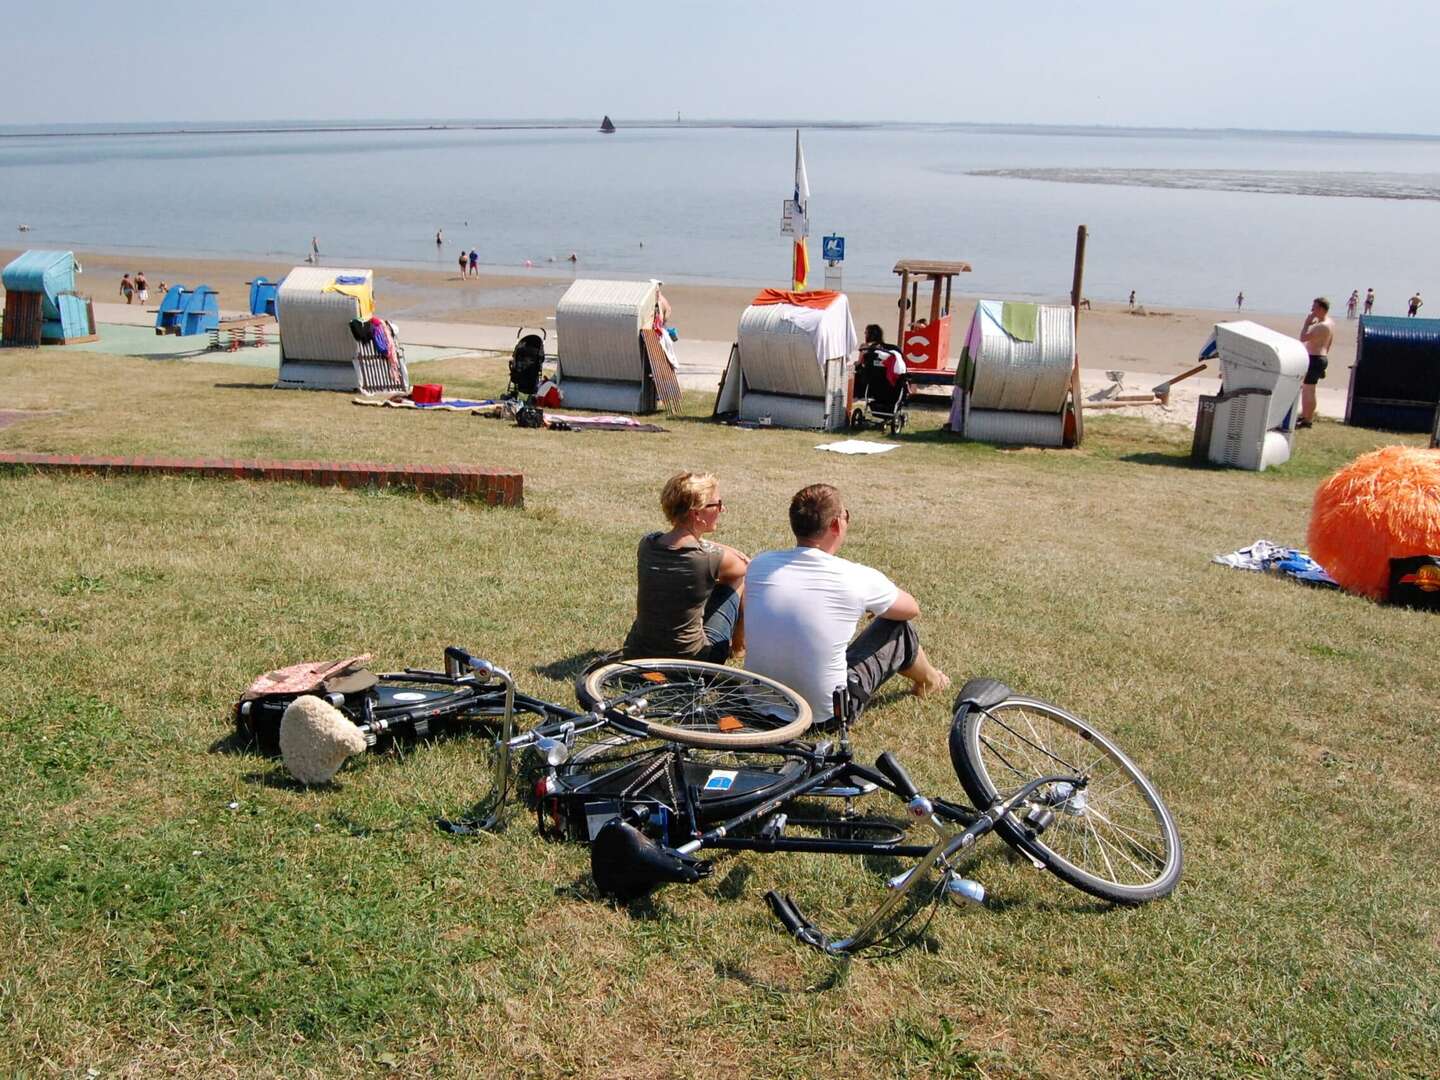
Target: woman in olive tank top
(687, 594)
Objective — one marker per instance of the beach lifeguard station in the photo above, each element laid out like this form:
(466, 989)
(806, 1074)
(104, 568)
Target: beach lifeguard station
(1013, 385)
(789, 366)
(319, 350)
(925, 340)
(612, 356)
(41, 304)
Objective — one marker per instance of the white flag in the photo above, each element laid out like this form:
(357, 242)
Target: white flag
(801, 221)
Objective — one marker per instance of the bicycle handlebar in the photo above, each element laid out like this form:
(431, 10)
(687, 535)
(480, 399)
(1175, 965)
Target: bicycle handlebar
(796, 924)
(458, 659)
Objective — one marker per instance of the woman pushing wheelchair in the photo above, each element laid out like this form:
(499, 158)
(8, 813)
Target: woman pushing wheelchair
(687, 594)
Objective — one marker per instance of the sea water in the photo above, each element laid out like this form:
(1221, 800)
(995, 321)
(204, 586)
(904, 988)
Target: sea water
(1184, 218)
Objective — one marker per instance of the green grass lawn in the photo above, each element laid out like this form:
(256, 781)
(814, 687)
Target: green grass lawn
(174, 905)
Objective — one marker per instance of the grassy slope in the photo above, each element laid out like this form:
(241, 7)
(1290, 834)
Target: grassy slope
(175, 906)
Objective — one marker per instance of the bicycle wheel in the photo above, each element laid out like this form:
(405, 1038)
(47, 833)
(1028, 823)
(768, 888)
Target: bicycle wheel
(1113, 838)
(695, 704)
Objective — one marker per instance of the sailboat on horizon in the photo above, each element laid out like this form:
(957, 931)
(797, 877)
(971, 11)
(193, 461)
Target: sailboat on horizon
(606, 127)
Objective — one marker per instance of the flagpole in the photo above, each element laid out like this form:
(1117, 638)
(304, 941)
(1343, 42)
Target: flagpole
(800, 255)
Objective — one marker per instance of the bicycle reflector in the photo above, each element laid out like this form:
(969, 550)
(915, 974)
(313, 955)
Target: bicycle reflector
(654, 676)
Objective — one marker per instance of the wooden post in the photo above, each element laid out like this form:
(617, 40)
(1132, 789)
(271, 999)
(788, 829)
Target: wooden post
(900, 329)
(1076, 284)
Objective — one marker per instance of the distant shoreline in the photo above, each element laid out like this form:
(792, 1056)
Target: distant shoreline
(301, 127)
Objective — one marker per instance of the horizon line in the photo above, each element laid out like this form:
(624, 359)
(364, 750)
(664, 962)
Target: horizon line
(77, 129)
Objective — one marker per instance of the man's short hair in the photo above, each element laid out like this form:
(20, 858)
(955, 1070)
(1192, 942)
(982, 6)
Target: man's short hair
(874, 335)
(686, 491)
(1324, 304)
(813, 509)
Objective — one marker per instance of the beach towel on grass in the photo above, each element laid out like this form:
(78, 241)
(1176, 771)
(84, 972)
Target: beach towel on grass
(400, 401)
(858, 446)
(567, 422)
(1271, 558)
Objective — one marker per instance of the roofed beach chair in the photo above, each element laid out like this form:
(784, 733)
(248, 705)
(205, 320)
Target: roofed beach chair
(41, 304)
(790, 364)
(1013, 384)
(605, 359)
(315, 307)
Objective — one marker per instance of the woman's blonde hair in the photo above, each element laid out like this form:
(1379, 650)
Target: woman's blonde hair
(686, 491)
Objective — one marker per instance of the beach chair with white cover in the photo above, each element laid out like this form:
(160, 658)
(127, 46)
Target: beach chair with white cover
(1251, 423)
(611, 358)
(790, 364)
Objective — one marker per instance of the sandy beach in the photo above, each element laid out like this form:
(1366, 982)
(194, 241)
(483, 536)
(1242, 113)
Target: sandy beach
(1111, 336)
(1141, 342)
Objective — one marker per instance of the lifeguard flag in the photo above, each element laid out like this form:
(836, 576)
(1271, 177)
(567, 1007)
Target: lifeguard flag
(801, 220)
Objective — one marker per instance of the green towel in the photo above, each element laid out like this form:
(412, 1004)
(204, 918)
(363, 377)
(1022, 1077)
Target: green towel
(1019, 319)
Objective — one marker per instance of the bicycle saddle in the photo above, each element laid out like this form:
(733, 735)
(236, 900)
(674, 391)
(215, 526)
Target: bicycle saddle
(627, 864)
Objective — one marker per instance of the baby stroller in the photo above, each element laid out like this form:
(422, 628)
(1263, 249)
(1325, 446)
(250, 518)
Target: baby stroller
(527, 362)
(881, 395)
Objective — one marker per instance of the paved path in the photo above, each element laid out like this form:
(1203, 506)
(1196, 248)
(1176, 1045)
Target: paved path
(703, 362)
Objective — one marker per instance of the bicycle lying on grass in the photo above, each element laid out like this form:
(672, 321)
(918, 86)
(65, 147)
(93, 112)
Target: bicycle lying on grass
(668, 759)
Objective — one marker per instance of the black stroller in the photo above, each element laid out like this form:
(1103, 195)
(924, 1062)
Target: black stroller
(881, 395)
(527, 362)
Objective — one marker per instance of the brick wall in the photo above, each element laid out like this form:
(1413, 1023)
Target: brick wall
(493, 486)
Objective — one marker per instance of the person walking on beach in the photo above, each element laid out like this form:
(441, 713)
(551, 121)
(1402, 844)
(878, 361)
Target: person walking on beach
(474, 263)
(1352, 304)
(315, 248)
(1132, 299)
(439, 238)
(1317, 334)
(1239, 300)
(1415, 305)
(142, 287)
(127, 289)
(463, 264)
(1369, 300)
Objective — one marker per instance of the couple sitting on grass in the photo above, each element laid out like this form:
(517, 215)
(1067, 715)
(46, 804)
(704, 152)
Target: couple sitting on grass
(790, 614)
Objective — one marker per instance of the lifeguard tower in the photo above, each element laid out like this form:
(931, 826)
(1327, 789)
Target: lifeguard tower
(925, 342)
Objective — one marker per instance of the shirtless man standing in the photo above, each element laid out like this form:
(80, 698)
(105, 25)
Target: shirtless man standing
(1317, 334)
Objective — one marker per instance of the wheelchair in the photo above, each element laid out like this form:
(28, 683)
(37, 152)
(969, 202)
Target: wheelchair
(881, 397)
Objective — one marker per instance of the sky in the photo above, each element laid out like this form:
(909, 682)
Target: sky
(1321, 65)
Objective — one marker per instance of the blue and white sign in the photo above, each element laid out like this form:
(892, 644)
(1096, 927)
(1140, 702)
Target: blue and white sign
(720, 779)
(832, 249)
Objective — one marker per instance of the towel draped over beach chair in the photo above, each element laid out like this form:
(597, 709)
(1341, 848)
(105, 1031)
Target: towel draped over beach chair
(613, 355)
(315, 307)
(790, 364)
(1013, 381)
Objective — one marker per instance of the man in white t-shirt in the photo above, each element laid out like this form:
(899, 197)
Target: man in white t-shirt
(802, 606)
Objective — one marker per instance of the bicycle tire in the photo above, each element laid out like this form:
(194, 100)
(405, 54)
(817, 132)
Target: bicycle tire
(1116, 839)
(689, 700)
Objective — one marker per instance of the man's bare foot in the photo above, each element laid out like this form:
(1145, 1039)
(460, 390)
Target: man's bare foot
(935, 681)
